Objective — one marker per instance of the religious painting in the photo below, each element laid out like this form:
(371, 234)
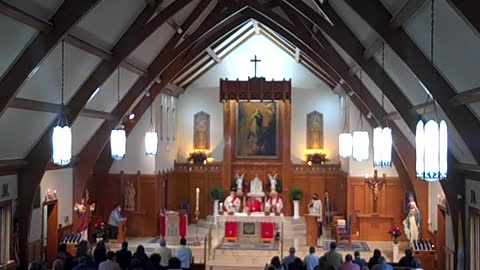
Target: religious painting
(314, 130)
(201, 130)
(257, 130)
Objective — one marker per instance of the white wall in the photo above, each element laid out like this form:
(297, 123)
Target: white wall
(309, 93)
(11, 181)
(62, 181)
(357, 168)
(434, 191)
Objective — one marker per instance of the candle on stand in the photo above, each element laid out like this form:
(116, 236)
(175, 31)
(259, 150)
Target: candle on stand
(197, 198)
(221, 206)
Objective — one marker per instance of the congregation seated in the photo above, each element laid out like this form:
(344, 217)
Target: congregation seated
(109, 263)
(155, 259)
(65, 256)
(382, 265)
(100, 253)
(174, 264)
(374, 259)
(406, 261)
(141, 256)
(290, 258)
(276, 264)
(358, 260)
(124, 256)
(332, 257)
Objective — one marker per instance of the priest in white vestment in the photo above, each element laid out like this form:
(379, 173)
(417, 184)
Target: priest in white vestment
(315, 209)
(274, 203)
(232, 202)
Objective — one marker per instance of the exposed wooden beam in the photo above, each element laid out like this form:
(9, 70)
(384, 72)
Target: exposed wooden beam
(175, 27)
(69, 13)
(467, 97)
(96, 114)
(12, 164)
(213, 55)
(403, 16)
(23, 17)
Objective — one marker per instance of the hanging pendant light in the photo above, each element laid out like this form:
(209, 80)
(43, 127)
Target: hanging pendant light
(361, 144)
(431, 138)
(62, 134)
(118, 136)
(382, 137)
(345, 138)
(151, 138)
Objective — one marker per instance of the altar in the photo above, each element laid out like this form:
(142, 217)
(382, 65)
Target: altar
(256, 227)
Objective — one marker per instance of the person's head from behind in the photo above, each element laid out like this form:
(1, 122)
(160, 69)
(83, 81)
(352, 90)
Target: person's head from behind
(140, 249)
(62, 248)
(183, 241)
(82, 260)
(356, 254)
(377, 253)
(276, 261)
(271, 267)
(82, 248)
(382, 260)
(333, 245)
(124, 245)
(408, 252)
(101, 244)
(311, 250)
(348, 258)
(298, 261)
(135, 264)
(174, 262)
(163, 242)
(110, 255)
(34, 266)
(155, 259)
(292, 251)
(58, 264)
(416, 263)
(322, 262)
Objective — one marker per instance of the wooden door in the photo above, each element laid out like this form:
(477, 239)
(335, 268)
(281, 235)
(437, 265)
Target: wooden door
(441, 236)
(50, 209)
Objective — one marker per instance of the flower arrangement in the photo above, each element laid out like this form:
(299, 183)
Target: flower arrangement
(197, 157)
(100, 230)
(316, 158)
(395, 233)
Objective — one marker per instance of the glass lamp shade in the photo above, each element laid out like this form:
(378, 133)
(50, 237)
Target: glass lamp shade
(345, 145)
(151, 141)
(62, 145)
(431, 150)
(360, 145)
(382, 147)
(118, 141)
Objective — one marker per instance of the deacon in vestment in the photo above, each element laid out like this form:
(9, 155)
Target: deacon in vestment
(232, 203)
(315, 209)
(274, 203)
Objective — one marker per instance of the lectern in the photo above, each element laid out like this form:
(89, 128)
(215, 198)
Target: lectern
(312, 229)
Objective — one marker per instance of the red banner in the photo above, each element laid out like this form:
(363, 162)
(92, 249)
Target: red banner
(231, 230)
(268, 231)
(163, 225)
(183, 226)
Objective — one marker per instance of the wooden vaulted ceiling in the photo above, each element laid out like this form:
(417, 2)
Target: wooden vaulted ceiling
(294, 25)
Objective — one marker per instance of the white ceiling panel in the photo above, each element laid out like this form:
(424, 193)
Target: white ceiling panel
(106, 97)
(149, 49)
(106, 23)
(38, 8)
(18, 37)
(182, 15)
(456, 46)
(45, 85)
(20, 130)
(82, 130)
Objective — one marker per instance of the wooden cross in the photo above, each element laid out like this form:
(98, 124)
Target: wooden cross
(375, 185)
(255, 61)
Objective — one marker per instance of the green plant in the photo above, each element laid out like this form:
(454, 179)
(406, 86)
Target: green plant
(216, 193)
(296, 194)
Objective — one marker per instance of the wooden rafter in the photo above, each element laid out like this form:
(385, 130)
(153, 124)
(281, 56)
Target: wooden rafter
(69, 13)
(467, 97)
(30, 176)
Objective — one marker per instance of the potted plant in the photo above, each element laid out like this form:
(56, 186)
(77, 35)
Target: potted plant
(296, 195)
(395, 233)
(99, 231)
(217, 194)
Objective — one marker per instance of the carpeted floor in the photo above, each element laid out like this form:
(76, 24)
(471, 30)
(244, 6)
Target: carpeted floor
(344, 246)
(190, 241)
(248, 246)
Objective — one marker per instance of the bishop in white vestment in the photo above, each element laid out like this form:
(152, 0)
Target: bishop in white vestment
(232, 202)
(274, 203)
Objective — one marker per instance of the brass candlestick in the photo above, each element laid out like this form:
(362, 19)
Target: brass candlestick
(197, 240)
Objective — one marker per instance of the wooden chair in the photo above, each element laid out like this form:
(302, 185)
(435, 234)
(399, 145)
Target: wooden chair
(334, 224)
(347, 233)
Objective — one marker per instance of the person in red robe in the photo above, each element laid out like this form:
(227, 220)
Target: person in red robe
(255, 204)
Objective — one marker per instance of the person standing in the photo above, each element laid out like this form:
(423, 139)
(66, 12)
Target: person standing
(184, 253)
(348, 264)
(110, 263)
(114, 219)
(315, 209)
(311, 260)
(164, 252)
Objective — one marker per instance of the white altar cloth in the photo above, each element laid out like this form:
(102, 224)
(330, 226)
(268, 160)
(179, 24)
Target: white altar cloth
(252, 218)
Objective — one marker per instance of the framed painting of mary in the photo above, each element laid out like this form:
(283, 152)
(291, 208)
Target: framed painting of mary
(257, 130)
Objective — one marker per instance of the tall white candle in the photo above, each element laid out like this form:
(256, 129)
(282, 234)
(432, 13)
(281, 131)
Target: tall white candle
(197, 199)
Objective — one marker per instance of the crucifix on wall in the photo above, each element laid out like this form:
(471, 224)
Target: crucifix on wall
(375, 184)
(255, 61)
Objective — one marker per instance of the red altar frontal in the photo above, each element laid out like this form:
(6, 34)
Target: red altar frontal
(173, 226)
(256, 227)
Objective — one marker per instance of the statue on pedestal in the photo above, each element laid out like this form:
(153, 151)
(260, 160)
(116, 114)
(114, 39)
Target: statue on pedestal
(273, 182)
(129, 197)
(239, 183)
(412, 223)
(256, 188)
(375, 184)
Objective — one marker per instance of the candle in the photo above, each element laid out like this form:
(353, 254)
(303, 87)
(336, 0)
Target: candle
(221, 206)
(197, 199)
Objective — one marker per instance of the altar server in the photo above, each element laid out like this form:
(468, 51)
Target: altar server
(232, 203)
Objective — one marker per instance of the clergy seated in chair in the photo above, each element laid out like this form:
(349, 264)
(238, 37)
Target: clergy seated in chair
(344, 232)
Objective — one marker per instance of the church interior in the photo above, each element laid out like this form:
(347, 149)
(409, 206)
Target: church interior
(245, 128)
